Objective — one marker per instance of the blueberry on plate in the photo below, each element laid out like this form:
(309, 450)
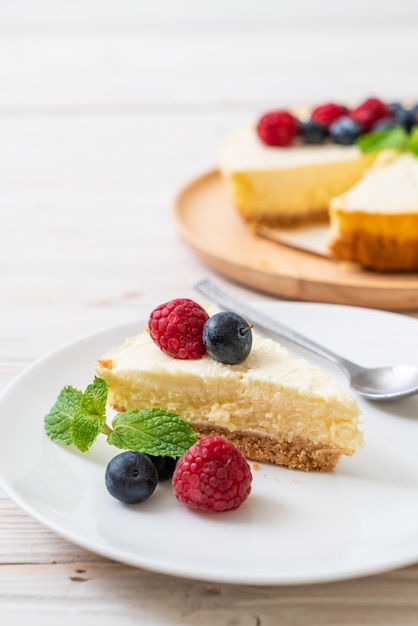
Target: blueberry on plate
(131, 477)
(227, 337)
(345, 131)
(313, 133)
(165, 466)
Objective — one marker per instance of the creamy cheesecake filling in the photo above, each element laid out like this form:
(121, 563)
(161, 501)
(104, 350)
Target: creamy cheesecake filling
(376, 222)
(270, 394)
(402, 226)
(287, 185)
(243, 151)
(292, 193)
(389, 187)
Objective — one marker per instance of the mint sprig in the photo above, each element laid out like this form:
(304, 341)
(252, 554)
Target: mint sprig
(159, 432)
(396, 138)
(58, 422)
(77, 418)
(413, 141)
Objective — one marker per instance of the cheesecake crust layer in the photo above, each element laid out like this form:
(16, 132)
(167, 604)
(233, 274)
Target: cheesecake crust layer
(321, 216)
(292, 196)
(299, 453)
(379, 248)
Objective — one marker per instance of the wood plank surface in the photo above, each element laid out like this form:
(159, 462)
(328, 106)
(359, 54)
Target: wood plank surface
(87, 594)
(107, 109)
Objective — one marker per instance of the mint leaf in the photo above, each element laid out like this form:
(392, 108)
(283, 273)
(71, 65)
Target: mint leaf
(396, 138)
(152, 431)
(77, 418)
(95, 397)
(58, 422)
(85, 428)
(89, 421)
(413, 141)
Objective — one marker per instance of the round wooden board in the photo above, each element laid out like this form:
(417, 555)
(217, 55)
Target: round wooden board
(207, 221)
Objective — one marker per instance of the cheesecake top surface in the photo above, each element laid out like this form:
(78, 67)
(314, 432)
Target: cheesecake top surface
(268, 361)
(389, 186)
(243, 151)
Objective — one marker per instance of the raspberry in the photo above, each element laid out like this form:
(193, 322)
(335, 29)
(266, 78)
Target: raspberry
(212, 476)
(325, 114)
(369, 112)
(177, 328)
(277, 128)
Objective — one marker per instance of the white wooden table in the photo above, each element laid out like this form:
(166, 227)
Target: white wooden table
(106, 110)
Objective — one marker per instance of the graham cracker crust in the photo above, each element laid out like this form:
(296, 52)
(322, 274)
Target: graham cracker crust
(376, 252)
(299, 453)
(287, 221)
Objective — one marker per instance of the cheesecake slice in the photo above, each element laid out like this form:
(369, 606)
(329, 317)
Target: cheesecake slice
(273, 407)
(286, 186)
(375, 223)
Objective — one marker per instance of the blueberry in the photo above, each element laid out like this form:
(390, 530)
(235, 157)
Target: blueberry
(395, 106)
(227, 337)
(312, 132)
(165, 466)
(345, 131)
(405, 118)
(131, 477)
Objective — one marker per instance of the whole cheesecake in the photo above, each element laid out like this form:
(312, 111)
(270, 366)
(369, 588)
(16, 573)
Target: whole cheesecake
(284, 186)
(289, 170)
(273, 407)
(375, 223)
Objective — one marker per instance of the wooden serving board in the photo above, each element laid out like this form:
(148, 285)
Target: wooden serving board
(207, 221)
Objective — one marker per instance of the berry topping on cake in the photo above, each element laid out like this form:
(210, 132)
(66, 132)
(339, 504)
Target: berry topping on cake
(325, 114)
(402, 116)
(227, 337)
(313, 133)
(131, 477)
(335, 123)
(369, 112)
(176, 327)
(277, 128)
(212, 476)
(345, 131)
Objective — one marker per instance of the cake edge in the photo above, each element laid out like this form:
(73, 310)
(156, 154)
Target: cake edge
(300, 453)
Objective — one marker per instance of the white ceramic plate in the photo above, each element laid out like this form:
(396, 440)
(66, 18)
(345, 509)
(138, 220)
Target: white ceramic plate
(294, 528)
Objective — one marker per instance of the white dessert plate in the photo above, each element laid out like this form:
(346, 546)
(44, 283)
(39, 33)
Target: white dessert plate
(295, 528)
